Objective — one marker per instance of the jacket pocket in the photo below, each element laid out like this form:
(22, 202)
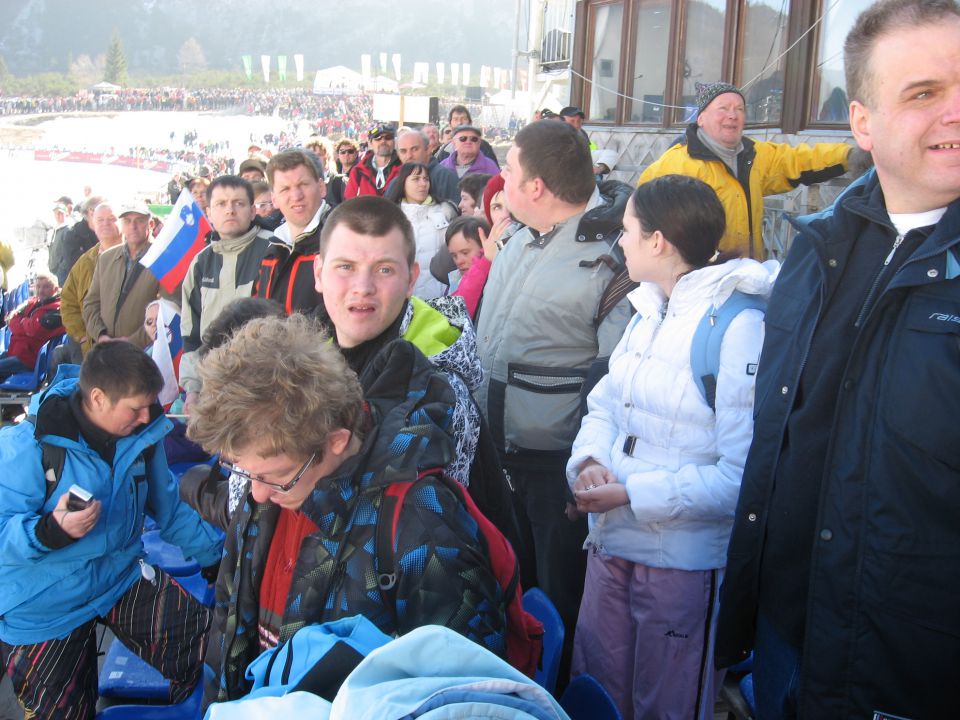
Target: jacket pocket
(922, 378)
(779, 343)
(541, 407)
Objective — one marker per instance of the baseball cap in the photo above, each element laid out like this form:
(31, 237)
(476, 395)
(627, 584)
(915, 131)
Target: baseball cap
(571, 111)
(252, 164)
(381, 129)
(134, 206)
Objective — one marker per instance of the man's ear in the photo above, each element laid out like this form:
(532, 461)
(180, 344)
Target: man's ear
(338, 441)
(414, 274)
(99, 399)
(860, 125)
(538, 187)
(317, 269)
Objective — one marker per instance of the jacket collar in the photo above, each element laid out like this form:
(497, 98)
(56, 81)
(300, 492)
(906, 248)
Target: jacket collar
(221, 245)
(713, 282)
(699, 151)
(283, 234)
(60, 415)
(411, 409)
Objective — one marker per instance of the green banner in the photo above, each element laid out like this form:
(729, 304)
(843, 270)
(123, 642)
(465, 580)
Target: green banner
(248, 65)
(282, 67)
(161, 211)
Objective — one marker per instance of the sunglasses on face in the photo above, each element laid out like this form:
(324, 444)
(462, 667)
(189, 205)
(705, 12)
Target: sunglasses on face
(468, 138)
(346, 151)
(279, 487)
(385, 136)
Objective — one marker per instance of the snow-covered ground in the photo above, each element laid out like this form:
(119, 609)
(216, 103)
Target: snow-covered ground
(28, 188)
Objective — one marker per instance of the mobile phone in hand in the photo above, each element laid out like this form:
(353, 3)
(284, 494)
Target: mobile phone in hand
(78, 498)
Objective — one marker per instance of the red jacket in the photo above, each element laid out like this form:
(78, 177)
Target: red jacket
(363, 177)
(28, 332)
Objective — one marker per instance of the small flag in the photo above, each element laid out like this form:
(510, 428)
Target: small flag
(298, 64)
(167, 350)
(181, 238)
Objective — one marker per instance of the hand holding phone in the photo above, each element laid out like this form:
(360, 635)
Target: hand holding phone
(77, 522)
(78, 498)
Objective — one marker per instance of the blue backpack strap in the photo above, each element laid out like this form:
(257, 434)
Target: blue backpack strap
(708, 337)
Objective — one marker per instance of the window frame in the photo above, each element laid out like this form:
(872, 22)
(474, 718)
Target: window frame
(799, 76)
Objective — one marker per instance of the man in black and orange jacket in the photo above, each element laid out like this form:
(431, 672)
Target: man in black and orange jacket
(286, 271)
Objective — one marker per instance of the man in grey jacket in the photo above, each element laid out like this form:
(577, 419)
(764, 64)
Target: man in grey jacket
(540, 333)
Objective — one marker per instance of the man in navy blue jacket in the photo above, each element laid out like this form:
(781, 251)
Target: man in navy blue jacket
(844, 566)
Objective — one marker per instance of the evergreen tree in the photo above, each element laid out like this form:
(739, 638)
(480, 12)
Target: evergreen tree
(116, 70)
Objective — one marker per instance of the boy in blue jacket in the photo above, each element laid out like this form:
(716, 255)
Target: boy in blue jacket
(64, 568)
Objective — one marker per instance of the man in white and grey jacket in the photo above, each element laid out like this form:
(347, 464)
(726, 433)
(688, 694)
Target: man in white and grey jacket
(223, 271)
(541, 331)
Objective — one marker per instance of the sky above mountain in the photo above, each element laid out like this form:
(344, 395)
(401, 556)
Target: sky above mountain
(47, 35)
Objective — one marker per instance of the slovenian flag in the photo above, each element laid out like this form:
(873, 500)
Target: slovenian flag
(167, 350)
(180, 239)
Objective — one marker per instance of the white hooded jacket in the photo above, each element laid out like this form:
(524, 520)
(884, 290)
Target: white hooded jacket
(683, 474)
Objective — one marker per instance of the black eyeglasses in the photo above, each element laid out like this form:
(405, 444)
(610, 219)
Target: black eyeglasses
(284, 487)
(468, 138)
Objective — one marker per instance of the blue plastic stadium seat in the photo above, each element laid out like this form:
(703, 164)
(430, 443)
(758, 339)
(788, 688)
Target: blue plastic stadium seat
(744, 666)
(189, 709)
(27, 382)
(124, 675)
(16, 297)
(197, 586)
(746, 689)
(586, 699)
(541, 607)
(166, 556)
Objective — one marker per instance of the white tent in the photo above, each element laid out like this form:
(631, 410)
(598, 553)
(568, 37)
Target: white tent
(381, 83)
(338, 77)
(105, 87)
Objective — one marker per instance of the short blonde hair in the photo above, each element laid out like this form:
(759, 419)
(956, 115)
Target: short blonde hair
(278, 386)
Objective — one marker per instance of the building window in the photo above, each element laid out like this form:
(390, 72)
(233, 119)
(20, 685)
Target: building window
(702, 60)
(650, 62)
(785, 57)
(762, 60)
(830, 104)
(607, 24)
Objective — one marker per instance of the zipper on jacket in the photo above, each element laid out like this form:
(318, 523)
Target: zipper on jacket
(867, 304)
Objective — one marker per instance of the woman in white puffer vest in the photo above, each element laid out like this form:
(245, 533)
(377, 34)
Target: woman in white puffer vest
(658, 468)
(429, 217)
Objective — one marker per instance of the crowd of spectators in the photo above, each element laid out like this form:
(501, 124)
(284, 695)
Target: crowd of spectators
(759, 459)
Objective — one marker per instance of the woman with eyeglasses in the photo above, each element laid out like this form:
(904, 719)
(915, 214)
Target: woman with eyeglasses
(347, 152)
(429, 217)
(320, 451)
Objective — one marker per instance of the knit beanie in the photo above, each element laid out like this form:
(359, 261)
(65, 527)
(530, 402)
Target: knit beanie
(494, 185)
(707, 93)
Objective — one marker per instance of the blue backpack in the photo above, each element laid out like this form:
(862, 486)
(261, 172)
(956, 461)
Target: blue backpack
(705, 349)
